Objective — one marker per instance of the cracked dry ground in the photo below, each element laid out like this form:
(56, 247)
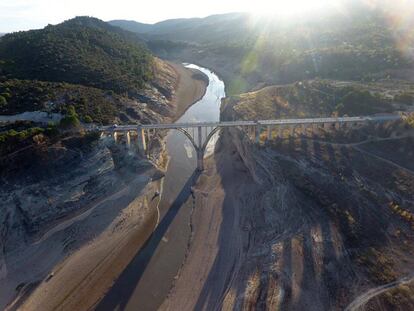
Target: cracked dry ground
(300, 224)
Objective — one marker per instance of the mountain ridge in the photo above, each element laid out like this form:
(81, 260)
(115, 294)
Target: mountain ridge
(82, 50)
(358, 44)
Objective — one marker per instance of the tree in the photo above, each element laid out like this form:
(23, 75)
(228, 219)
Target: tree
(410, 120)
(404, 98)
(69, 122)
(71, 111)
(358, 102)
(71, 119)
(87, 119)
(3, 102)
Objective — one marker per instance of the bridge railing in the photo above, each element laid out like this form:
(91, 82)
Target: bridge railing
(250, 123)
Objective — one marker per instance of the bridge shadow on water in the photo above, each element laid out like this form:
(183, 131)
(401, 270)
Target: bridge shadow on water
(120, 293)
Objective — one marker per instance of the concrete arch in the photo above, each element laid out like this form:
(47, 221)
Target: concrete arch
(191, 139)
(200, 150)
(188, 136)
(209, 136)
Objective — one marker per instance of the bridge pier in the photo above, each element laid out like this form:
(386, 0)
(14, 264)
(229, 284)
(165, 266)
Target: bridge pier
(280, 131)
(142, 144)
(314, 128)
(148, 132)
(269, 132)
(128, 139)
(200, 137)
(257, 134)
(304, 127)
(200, 160)
(252, 132)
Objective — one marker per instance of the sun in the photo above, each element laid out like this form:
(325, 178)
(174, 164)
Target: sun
(287, 7)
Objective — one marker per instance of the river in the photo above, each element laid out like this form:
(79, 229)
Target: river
(146, 281)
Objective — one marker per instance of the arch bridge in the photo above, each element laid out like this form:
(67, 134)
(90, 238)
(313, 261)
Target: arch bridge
(200, 133)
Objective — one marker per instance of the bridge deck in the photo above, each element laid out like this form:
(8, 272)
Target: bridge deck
(250, 123)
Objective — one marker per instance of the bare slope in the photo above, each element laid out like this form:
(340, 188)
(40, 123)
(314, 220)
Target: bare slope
(315, 221)
(304, 223)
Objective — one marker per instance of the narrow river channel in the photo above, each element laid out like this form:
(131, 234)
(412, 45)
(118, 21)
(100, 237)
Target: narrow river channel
(151, 273)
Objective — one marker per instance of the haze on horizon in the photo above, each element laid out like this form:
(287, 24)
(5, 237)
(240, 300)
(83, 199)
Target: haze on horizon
(16, 15)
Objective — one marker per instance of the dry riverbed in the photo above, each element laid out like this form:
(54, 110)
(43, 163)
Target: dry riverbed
(100, 244)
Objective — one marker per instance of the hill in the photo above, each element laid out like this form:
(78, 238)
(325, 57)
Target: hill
(212, 29)
(83, 51)
(132, 26)
(105, 72)
(358, 43)
(316, 98)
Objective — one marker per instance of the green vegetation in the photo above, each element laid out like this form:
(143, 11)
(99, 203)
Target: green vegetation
(3, 102)
(91, 104)
(404, 98)
(378, 264)
(359, 102)
(21, 134)
(84, 62)
(400, 298)
(25, 134)
(87, 119)
(410, 120)
(82, 51)
(71, 119)
(308, 99)
(247, 51)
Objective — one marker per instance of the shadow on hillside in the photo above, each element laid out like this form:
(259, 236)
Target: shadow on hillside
(316, 271)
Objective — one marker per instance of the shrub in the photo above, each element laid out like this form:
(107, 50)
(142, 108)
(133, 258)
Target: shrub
(13, 135)
(71, 111)
(87, 119)
(404, 98)
(410, 120)
(358, 102)
(3, 101)
(69, 121)
(6, 95)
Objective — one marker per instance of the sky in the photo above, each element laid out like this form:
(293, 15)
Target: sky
(32, 14)
(18, 15)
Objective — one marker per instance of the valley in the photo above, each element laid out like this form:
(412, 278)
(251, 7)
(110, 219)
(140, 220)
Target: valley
(313, 216)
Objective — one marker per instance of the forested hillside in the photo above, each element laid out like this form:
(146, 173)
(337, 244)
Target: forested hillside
(83, 51)
(106, 73)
